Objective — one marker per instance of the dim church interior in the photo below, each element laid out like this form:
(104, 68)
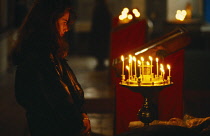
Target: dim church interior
(100, 98)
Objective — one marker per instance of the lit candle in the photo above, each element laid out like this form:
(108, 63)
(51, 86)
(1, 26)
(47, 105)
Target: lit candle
(134, 59)
(147, 70)
(139, 64)
(169, 70)
(128, 68)
(130, 64)
(163, 73)
(161, 69)
(142, 59)
(122, 58)
(157, 65)
(150, 58)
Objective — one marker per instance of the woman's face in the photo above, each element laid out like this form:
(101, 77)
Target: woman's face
(62, 24)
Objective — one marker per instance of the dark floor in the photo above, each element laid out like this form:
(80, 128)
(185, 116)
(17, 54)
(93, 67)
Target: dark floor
(100, 98)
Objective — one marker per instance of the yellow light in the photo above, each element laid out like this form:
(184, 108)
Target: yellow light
(139, 62)
(135, 10)
(184, 12)
(180, 15)
(122, 58)
(127, 67)
(125, 10)
(156, 59)
(142, 59)
(134, 58)
(139, 52)
(168, 66)
(121, 17)
(136, 13)
(130, 58)
(130, 16)
(150, 58)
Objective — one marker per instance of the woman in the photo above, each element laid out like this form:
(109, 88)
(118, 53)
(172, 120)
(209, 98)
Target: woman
(45, 85)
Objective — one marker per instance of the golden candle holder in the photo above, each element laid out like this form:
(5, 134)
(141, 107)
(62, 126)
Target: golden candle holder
(145, 82)
(147, 113)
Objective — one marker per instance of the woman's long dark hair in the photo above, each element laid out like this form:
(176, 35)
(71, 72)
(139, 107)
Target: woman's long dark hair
(40, 29)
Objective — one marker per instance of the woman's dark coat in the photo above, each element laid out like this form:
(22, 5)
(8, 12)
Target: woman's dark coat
(48, 90)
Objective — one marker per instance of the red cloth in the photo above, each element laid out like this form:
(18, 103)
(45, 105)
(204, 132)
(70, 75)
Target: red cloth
(127, 38)
(170, 103)
(123, 40)
(170, 99)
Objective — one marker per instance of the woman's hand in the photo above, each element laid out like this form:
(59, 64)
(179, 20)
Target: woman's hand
(86, 124)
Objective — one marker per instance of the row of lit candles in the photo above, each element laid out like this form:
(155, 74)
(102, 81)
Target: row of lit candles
(141, 63)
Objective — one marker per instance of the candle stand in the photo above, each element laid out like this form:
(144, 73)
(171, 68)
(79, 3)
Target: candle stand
(146, 113)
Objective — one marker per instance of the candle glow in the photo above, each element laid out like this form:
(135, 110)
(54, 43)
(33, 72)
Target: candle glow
(122, 58)
(145, 76)
(128, 68)
(169, 69)
(134, 59)
(157, 65)
(150, 58)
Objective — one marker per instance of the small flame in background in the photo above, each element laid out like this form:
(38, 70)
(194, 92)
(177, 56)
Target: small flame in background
(180, 15)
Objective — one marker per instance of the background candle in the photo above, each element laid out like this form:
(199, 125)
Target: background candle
(142, 59)
(130, 64)
(150, 58)
(169, 70)
(157, 65)
(122, 58)
(139, 64)
(127, 67)
(134, 59)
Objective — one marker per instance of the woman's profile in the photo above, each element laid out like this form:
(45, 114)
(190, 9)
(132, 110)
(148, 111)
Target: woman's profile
(45, 85)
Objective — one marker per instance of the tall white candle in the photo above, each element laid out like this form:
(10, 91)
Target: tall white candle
(134, 59)
(157, 65)
(139, 64)
(130, 64)
(122, 58)
(142, 59)
(162, 69)
(128, 68)
(163, 73)
(150, 58)
(169, 70)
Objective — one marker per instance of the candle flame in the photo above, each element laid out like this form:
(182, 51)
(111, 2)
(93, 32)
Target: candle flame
(142, 59)
(130, 58)
(134, 58)
(180, 15)
(157, 60)
(168, 66)
(161, 69)
(139, 62)
(136, 12)
(130, 16)
(127, 67)
(122, 58)
(148, 63)
(125, 10)
(150, 58)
